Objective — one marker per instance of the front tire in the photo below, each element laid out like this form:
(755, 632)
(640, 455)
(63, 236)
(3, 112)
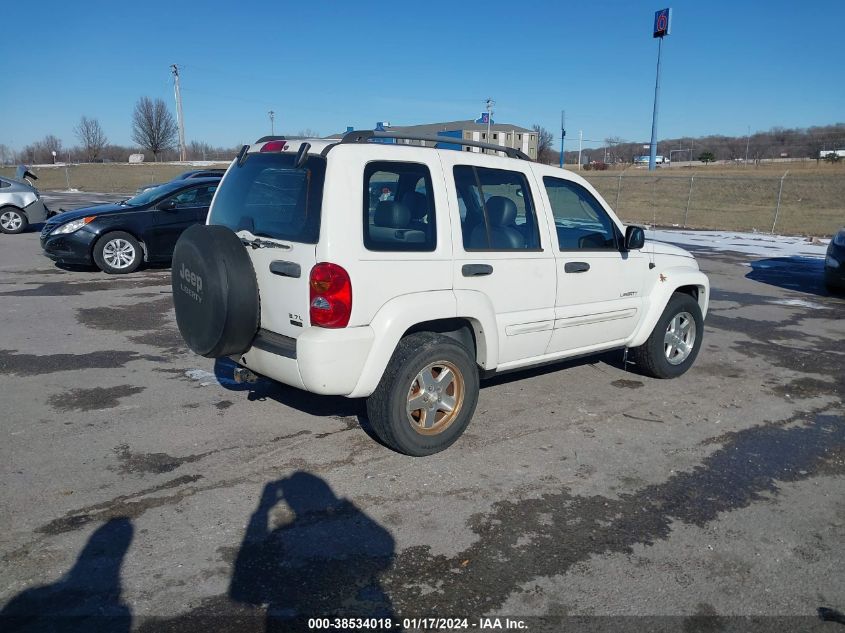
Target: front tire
(118, 253)
(13, 220)
(427, 395)
(674, 343)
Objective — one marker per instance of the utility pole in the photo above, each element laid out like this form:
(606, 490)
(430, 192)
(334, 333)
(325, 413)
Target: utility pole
(747, 141)
(272, 123)
(580, 144)
(180, 119)
(563, 135)
(662, 24)
(490, 104)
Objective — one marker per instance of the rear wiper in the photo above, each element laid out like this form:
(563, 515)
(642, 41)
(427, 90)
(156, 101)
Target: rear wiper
(259, 243)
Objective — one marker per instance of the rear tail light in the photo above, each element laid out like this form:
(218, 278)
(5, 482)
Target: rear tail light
(330, 296)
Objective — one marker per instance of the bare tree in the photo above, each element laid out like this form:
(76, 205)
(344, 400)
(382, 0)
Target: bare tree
(91, 136)
(612, 153)
(545, 152)
(153, 127)
(52, 144)
(199, 150)
(308, 133)
(41, 152)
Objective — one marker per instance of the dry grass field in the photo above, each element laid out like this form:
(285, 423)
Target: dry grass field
(734, 197)
(105, 177)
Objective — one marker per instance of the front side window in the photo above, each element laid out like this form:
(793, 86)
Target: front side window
(497, 210)
(399, 213)
(269, 196)
(580, 221)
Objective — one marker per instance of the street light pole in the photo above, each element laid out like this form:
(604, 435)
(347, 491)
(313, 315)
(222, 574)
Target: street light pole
(562, 134)
(180, 119)
(490, 103)
(272, 123)
(747, 141)
(580, 145)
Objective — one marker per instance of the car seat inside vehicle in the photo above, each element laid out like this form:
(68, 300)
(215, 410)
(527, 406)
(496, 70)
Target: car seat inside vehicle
(392, 225)
(501, 229)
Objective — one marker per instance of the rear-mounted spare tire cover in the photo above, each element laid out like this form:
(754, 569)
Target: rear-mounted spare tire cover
(215, 292)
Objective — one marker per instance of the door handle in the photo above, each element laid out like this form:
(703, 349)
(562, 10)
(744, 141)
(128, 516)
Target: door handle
(476, 270)
(285, 269)
(576, 267)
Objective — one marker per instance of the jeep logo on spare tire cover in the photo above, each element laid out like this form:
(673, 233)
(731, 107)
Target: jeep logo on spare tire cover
(214, 291)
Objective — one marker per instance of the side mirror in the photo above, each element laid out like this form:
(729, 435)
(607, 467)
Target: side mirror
(167, 205)
(634, 238)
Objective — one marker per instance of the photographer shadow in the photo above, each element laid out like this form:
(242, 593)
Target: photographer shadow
(323, 556)
(87, 598)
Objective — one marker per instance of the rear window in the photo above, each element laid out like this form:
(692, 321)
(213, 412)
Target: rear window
(269, 197)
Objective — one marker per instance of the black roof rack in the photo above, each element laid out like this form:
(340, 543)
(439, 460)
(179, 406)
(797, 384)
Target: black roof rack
(365, 136)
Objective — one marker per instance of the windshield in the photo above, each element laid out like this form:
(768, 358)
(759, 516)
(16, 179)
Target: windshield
(269, 197)
(154, 194)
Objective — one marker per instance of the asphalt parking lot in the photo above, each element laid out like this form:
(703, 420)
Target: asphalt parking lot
(140, 482)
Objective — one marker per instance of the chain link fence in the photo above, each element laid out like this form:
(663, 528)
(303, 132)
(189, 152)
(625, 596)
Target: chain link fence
(789, 203)
(799, 205)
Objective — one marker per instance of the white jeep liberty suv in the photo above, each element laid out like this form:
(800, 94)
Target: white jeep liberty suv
(403, 273)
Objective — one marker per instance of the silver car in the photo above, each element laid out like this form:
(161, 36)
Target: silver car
(20, 205)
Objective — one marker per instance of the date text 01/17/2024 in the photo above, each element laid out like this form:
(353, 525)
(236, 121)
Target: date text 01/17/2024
(417, 624)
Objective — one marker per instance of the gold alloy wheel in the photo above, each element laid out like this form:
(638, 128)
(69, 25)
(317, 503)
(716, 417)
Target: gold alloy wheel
(435, 398)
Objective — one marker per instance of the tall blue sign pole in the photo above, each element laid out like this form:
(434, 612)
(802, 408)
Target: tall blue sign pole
(662, 24)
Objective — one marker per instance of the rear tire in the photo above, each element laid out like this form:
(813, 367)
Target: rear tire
(674, 343)
(427, 395)
(13, 220)
(118, 253)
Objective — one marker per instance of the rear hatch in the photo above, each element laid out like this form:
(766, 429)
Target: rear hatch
(274, 207)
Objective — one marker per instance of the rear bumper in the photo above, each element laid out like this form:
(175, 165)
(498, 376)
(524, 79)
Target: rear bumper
(319, 360)
(36, 212)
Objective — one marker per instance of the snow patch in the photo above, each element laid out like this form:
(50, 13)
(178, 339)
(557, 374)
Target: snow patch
(206, 378)
(798, 303)
(758, 244)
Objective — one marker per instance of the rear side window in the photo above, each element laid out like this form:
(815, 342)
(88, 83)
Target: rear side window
(399, 210)
(497, 211)
(269, 197)
(195, 197)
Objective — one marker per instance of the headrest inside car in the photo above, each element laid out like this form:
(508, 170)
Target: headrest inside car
(417, 203)
(501, 211)
(392, 214)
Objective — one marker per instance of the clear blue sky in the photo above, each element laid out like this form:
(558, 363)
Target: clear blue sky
(325, 65)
